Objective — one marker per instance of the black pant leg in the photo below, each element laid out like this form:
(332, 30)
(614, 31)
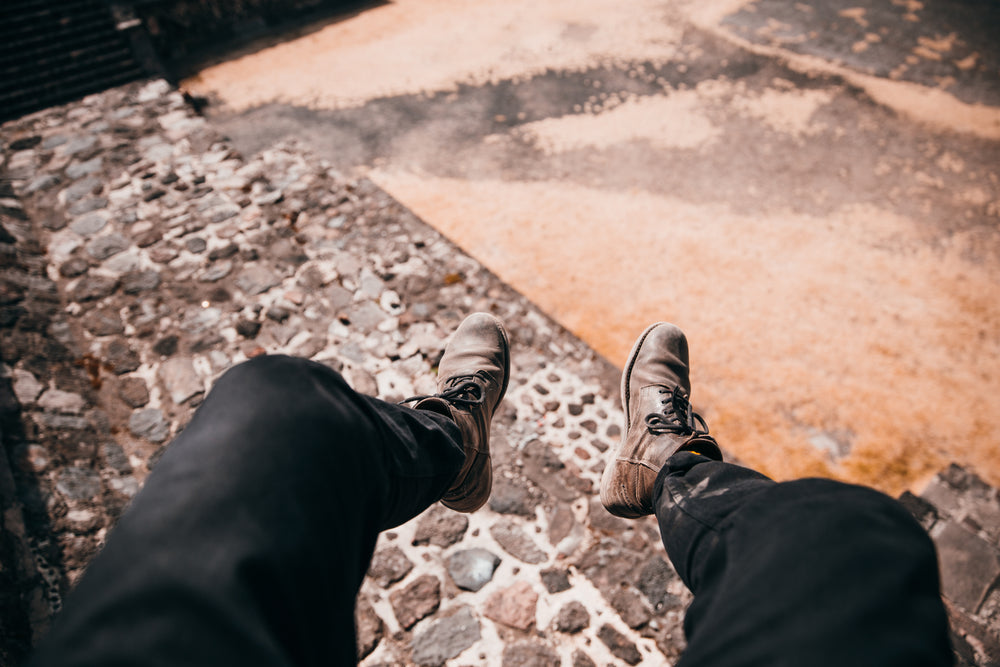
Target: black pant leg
(812, 572)
(250, 539)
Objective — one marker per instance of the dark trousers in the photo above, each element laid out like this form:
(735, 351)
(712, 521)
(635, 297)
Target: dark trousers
(250, 540)
(807, 573)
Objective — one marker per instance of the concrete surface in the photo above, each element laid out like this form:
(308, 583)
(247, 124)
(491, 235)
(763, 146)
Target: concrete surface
(811, 190)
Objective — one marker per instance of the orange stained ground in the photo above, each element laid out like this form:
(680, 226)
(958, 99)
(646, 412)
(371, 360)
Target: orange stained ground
(845, 325)
(859, 326)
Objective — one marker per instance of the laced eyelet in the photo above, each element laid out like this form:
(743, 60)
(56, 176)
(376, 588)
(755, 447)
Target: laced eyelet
(677, 417)
(465, 392)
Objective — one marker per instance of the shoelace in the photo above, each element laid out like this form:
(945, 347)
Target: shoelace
(677, 417)
(464, 393)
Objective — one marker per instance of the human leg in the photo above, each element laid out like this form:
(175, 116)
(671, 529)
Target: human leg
(250, 539)
(810, 572)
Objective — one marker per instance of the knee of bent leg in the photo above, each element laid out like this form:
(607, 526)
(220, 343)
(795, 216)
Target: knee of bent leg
(869, 516)
(270, 378)
(263, 370)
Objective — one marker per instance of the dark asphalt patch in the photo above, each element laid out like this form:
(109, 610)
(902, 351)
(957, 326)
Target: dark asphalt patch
(905, 40)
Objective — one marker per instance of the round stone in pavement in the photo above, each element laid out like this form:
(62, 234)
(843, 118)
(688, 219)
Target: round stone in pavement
(441, 527)
(277, 313)
(73, 267)
(369, 627)
(134, 392)
(514, 606)
(90, 224)
(572, 618)
(256, 280)
(619, 645)
(514, 541)
(56, 400)
(115, 456)
(150, 424)
(556, 580)
(88, 205)
(181, 379)
(78, 483)
(216, 272)
(473, 568)
(248, 328)
(388, 566)
(106, 246)
(510, 496)
(530, 654)
(43, 182)
(196, 244)
(93, 287)
(222, 253)
(121, 357)
(631, 607)
(417, 600)
(135, 282)
(166, 346)
(445, 638)
(26, 387)
(103, 322)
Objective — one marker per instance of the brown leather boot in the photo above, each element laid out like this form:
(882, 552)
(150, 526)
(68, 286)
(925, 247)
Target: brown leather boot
(658, 421)
(472, 379)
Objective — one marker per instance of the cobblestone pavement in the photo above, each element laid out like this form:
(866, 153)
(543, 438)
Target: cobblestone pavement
(143, 256)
